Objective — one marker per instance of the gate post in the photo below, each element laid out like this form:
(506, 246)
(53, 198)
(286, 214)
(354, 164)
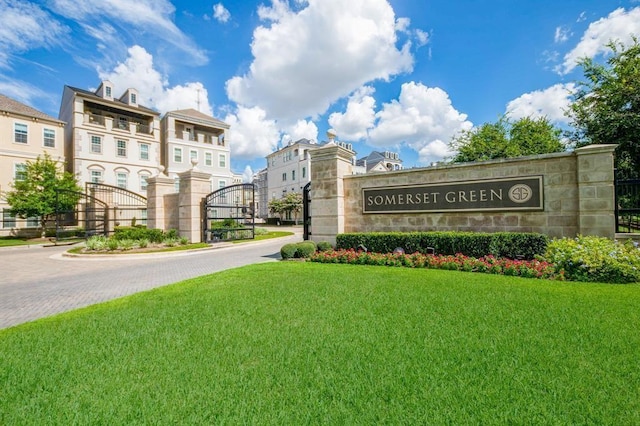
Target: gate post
(329, 166)
(157, 214)
(596, 190)
(194, 186)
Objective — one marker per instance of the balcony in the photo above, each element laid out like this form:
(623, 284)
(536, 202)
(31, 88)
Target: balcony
(94, 119)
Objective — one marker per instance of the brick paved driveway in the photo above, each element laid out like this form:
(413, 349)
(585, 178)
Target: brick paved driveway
(37, 281)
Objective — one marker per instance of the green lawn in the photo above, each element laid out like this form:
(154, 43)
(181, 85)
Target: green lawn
(306, 343)
(13, 241)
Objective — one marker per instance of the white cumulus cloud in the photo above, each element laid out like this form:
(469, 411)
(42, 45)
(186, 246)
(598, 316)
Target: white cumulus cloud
(138, 72)
(423, 118)
(302, 129)
(359, 116)
(251, 134)
(620, 25)
(332, 48)
(220, 13)
(551, 102)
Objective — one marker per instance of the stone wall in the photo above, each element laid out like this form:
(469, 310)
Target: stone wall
(578, 190)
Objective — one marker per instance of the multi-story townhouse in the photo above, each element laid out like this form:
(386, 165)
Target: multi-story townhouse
(190, 137)
(288, 169)
(110, 140)
(380, 162)
(261, 194)
(25, 134)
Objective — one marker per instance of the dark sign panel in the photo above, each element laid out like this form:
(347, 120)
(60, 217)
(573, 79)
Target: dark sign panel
(524, 193)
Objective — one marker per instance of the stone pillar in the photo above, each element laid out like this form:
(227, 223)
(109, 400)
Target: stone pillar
(329, 166)
(596, 190)
(157, 213)
(194, 186)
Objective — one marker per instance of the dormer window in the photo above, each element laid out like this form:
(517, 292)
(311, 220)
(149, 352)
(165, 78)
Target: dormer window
(133, 98)
(107, 91)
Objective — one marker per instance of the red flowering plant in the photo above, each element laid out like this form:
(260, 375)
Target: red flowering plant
(458, 262)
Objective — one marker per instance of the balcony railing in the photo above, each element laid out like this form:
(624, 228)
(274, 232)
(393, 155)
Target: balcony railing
(94, 119)
(144, 128)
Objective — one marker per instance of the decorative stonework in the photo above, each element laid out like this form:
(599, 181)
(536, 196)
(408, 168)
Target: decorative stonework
(578, 197)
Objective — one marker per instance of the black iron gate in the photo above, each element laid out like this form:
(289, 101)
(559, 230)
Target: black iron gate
(78, 214)
(628, 206)
(306, 211)
(127, 208)
(229, 214)
(97, 211)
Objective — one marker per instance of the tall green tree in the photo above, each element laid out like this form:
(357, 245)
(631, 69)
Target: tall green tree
(507, 139)
(34, 194)
(290, 204)
(606, 106)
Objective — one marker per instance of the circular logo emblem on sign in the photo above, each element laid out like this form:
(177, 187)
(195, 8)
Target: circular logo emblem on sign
(520, 193)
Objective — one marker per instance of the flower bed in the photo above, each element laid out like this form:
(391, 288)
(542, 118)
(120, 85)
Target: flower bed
(458, 262)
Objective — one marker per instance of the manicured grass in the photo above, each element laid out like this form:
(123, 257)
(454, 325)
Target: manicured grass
(300, 343)
(271, 234)
(12, 241)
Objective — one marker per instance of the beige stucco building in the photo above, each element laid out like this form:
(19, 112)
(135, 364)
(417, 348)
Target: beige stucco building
(25, 134)
(190, 138)
(111, 140)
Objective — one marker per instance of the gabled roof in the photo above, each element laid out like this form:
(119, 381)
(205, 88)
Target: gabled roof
(191, 114)
(119, 103)
(11, 105)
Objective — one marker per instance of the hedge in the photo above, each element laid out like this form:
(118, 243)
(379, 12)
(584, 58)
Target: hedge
(512, 245)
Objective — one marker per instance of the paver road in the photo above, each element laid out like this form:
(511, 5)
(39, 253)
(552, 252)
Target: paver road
(38, 281)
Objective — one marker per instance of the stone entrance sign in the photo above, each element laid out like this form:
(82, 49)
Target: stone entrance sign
(479, 195)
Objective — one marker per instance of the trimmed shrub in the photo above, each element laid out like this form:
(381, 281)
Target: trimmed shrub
(595, 259)
(324, 246)
(140, 232)
(288, 251)
(476, 244)
(305, 250)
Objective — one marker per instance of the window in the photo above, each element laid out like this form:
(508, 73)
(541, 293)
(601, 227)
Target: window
(133, 98)
(121, 180)
(193, 155)
(121, 148)
(8, 219)
(177, 155)
(96, 176)
(144, 151)
(143, 182)
(304, 172)
(20, 131)
(293, 175)
(208, 159)
(284, 176)
(107, 91)
(176, 184)
(96, 144)
(20, 171)
(222, 184)
(123, 123)
(49, 138)
(222, 160)
(33, 222)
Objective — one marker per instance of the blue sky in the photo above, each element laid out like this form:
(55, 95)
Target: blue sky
(395, 75)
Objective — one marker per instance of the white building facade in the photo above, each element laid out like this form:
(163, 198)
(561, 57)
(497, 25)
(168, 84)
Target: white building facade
(110, 140)
(190, 138)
